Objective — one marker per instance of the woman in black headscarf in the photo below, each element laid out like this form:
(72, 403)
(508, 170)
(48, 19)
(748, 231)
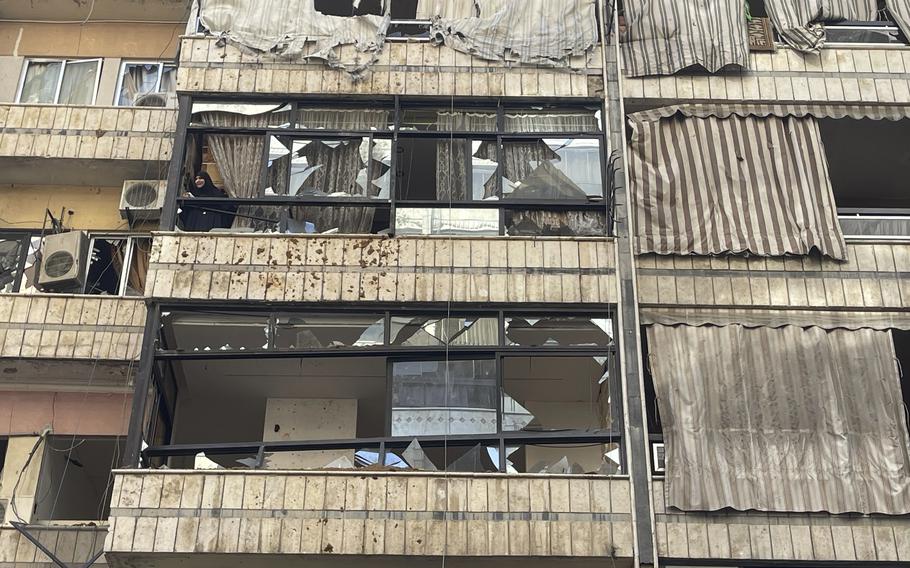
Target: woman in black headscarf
(205, 217)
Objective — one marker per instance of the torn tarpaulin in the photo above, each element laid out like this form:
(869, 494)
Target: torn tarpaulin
(294, 29)
(537, 32)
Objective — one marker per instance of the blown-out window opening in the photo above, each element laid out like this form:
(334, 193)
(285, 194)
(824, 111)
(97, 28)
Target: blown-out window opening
(409, 169)
(477, 390)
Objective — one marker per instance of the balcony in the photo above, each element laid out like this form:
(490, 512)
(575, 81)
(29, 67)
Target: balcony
(83, 145)
(234, 517)
(369, 268)
(71, 328)
(874, 277)
(73, 545)
(412, 68)
(760, 537)
(837, 75)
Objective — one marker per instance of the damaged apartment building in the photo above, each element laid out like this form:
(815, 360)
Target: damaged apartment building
(471, 282)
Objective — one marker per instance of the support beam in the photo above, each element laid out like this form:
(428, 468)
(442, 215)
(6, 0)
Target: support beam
(175, 169)
(143, 382)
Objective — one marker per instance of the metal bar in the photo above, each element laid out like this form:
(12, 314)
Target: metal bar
(409, 353)
(133, 448)
(21, 527)
(175, 168)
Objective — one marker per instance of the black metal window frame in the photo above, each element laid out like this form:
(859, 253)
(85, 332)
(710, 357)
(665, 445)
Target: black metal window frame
(24, 236)
(165, 393)
(603, 203)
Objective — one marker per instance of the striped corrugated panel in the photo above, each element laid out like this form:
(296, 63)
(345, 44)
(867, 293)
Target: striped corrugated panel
(538, 32)
(900, 11)
(800, 22)
(699, 110)
(791, 419)
(664, 36)
(825, 319)
(739, 184)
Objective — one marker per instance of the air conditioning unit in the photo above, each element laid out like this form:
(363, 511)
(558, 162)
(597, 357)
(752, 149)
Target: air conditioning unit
(658, 457)
(143, 199)
(151, 100)
(63, 260)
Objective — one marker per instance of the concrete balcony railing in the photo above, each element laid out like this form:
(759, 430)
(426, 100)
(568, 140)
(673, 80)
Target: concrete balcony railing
(757, 536)
(877, 275)
(43, 326)
(86, 132)
(837, 75)
(234, 516)
(326, 268)
(410, 68)
(72, 545)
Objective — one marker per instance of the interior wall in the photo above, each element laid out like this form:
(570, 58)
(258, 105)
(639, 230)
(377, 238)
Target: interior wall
(94, 208)
(10, 68)
(88, 414)
(75, 482)
(17, 460)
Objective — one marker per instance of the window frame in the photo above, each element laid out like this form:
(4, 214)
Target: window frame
(164, 357)
(600, 204)
(131, 243)
(122, 72)
(64, 63)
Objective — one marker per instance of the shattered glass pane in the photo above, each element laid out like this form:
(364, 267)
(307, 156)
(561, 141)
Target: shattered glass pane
(552, 168)
(558, 331)
(557, 394)
(308, 331)
(426, 331)
(11, 250)
(443, 397)
(203, 332)
(443, 221)
(333, 168)
(555, 223)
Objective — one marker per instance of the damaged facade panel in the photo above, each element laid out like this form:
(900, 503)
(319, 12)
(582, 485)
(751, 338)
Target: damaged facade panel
(536, 32)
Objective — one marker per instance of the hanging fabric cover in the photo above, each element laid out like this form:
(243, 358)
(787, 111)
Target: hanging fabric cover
(664, 36)
(791, 419)
(801, 22)
(900, 11)
(709, 185)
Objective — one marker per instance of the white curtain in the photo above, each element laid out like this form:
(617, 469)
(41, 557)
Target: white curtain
(79, 79)
(789, 419)
(138, 79)
(41, 80)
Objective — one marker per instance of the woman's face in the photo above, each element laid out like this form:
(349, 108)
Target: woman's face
(199, 181)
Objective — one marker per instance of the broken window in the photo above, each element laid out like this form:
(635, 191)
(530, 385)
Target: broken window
(118, 265)
(148, 84)
(443, 398)
(333, 389)
(75, 482)
(349, 7)
(13, 254)
(363, 163)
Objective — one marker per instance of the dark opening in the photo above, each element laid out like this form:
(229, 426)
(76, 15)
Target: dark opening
(653, 412)
(902, 348)
(415, 174)
(346, 7)
(868, 161)
(76, 479)
(757, 8)
(4, 444)
(404, 9)
(104, 271)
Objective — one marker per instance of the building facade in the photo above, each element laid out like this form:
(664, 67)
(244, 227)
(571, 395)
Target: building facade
(466, 281)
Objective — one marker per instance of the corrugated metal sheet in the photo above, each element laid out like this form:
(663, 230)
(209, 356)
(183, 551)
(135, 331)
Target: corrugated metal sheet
(882, 321)
(790, 419)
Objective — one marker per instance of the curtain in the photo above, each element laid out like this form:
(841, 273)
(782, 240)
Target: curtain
(732, 185)
(341, 167)
(553, 122)
(452, 155)
(556, 223)
(294, 29)
(900, 11)
(801, 22)
(78, 86)
(537, 32)
(239, 160)
(791, 419)
(665, 36)
(41, 80)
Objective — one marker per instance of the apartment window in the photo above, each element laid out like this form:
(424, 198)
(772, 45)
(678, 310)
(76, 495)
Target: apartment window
(117, 265)
(409, 168)
(146, 83)
(14, 255)
(476, 391)
(75, 482)
(65, 82)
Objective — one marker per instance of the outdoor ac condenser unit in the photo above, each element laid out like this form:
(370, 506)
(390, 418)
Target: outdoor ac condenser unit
(143, 199)
(63, 261)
